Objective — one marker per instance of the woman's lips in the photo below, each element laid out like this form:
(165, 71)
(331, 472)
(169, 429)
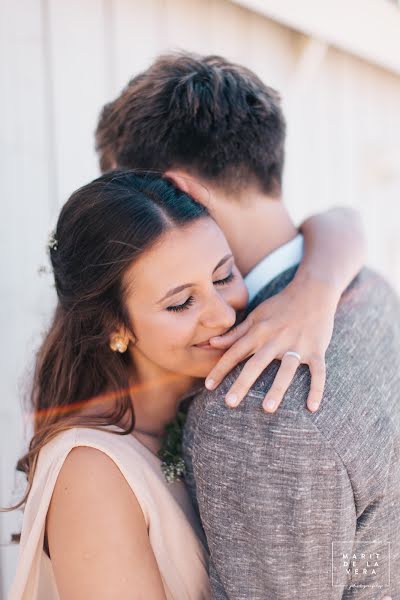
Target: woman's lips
(205, 346)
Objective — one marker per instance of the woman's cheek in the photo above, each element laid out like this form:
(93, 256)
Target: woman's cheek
(237, 296)
(171, 333)
(243, 298)
(181, 330)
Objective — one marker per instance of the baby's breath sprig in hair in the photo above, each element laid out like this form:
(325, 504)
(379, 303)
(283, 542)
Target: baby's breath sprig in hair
(52, 242)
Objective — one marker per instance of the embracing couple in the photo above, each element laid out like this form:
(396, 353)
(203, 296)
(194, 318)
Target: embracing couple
(184, 291)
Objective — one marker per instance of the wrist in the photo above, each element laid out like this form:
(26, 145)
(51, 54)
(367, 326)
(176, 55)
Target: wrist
(320, 288)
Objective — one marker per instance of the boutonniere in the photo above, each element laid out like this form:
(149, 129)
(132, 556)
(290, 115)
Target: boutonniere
(170, 453)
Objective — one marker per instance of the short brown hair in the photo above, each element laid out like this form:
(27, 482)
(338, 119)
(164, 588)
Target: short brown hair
(202, 113)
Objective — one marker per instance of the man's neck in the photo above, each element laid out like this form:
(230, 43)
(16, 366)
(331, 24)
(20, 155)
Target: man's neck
(254, 223)
(254, 228)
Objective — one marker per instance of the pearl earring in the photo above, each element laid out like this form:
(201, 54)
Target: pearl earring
(118, 345)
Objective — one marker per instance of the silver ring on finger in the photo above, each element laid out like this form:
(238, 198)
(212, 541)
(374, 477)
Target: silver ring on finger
(292, 353)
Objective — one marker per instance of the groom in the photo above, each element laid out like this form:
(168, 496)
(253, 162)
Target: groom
(294, 504)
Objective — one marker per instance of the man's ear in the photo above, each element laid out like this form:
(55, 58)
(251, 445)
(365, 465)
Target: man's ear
(178, 178)
(190, 185)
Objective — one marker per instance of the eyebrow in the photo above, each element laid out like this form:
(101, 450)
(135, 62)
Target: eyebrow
(179, 288)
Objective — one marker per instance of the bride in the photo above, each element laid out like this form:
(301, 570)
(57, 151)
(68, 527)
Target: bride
(144, 278)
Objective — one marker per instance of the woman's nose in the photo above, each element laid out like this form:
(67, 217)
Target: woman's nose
(218, 314)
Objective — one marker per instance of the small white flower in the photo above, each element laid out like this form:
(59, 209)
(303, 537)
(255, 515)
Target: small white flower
(173, 471)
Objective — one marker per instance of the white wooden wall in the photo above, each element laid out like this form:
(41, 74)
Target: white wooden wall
(60, 60)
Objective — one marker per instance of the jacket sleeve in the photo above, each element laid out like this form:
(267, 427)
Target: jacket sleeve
(275, 501)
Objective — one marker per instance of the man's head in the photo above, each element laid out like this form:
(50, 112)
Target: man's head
(201, 116)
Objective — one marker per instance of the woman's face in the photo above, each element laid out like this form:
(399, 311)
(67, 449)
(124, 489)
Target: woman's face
(179, 294)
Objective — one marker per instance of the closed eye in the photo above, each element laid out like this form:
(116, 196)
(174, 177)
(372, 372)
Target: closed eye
(190, 300)
(228, 279)
(184, 306)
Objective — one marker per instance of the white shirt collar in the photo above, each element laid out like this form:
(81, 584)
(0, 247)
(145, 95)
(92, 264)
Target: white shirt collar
(278, 261)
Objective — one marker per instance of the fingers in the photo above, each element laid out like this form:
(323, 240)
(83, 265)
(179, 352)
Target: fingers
(318, 378)
(226, 341)
(250, 372)
(238, 352)
(245, 345)
(281, 383)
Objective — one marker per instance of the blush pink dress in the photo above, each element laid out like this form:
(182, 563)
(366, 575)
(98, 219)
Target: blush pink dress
(174, 532)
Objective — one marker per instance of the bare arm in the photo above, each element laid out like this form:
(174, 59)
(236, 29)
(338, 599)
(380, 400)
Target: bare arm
(97, 534)
(334, 249)
(300, 318)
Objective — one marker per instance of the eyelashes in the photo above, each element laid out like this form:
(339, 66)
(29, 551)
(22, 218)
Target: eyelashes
(226, 280)
(190, 300)
(183, 306)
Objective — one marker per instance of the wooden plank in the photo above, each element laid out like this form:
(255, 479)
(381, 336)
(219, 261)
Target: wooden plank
(188, 25)
(228, 34)
(80, 71)
(138, 34)
(366, 28)
(26, 184)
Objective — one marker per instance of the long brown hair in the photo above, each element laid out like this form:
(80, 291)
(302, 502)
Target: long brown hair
(101, 230)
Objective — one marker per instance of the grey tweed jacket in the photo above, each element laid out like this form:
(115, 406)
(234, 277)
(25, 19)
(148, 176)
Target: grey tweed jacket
(301, 505)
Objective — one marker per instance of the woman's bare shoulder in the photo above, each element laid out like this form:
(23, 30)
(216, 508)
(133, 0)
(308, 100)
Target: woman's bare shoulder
(96, 530)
